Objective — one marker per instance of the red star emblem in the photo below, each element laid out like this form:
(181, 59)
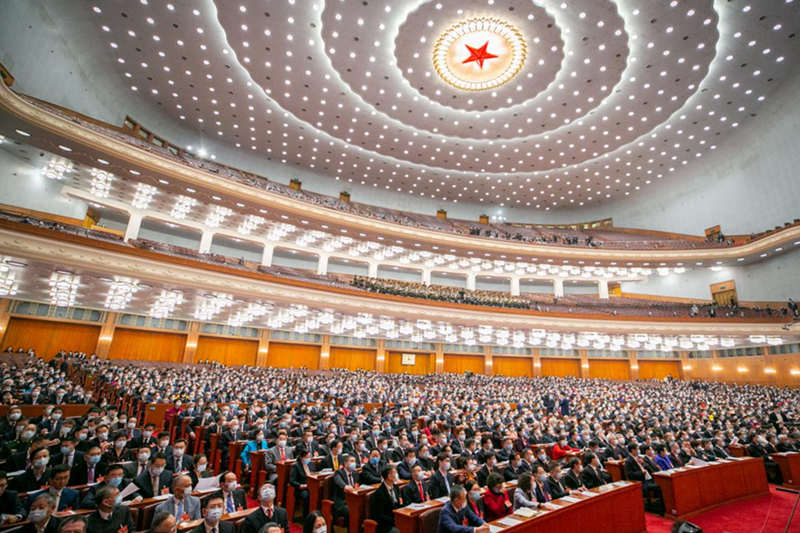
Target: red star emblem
(478, 54)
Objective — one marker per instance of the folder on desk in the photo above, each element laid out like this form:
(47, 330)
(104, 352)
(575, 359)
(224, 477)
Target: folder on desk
(509, 521)
(569, 499)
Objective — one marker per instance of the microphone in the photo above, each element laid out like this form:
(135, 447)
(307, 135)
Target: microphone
(782, 489)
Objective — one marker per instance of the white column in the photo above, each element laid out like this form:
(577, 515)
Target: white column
(426, 276)
(372, 269)
(514, 285)
(133, 227)
(266, 255)
(558, 287)
(322, 265)
(471, 281)
(602, 289)
(205, 241)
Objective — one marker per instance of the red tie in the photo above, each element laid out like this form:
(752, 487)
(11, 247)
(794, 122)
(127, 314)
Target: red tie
(283, 454)
(269, 513)
(421, 492)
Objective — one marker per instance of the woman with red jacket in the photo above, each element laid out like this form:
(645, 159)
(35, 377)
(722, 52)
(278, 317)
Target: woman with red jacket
(562, 448)
(495, 499)
(474, 499)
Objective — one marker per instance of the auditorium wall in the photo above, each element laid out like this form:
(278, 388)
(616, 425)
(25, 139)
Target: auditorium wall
(460, 363)
(423, 364)
(226, 351)
(352, 358)
(146, 345)
(609, 369)
(512, 366)
(561, 367)
(47, 337)
(659, 369)
(289, 355)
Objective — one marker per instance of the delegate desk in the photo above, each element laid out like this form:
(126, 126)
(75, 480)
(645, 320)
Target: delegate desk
(616, 468)
(318, 488)
(612, 508)
(689, 490)
(789, 463)
(232, 517)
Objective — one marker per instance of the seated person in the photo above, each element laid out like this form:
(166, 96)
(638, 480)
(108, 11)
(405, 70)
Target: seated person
(371, 471)
(155, 480)
(200, 469)
(109, 517)
(457, 517)
(233, 496)
(11, 509)
(495, 499)
(41, 516)
(344, 479)
(256, 443)
(525, 495)
(553, 483)
(592, 474)
(409, 460)
(416, 490)
(268, 512)
(65, 497)
(315, 523)
(385, 500)
(298, 476)
(539, 485)
(514, 468)
(662, 458)
(442, 480)
(114, 478)
(212, 513)
(181, 503)
(562, 449)
(475, 498)
(163, 522)
(572, 479)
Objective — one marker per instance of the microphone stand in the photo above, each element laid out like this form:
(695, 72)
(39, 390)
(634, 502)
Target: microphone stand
(794, 507)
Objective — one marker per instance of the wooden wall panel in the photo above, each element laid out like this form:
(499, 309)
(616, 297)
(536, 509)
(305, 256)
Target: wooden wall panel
(352, 358)
(561, 367)
(460, 363)
(286, 355)
(424, 364)
(611, 369)
(512, 366)
(47, 337)
(147, 345)
(227, 351)
(658, 369)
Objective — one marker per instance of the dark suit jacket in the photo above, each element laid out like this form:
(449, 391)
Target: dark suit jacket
(120, 517)
(327, 462)
(79, 475)
(510, 474)
(187, 463)
(27, 482)
(10, 503)
(256, 519)
(410, 493)
(371, 474)
(70, 499)
(297, 475)
(222, 527)
(340, 481)
(591, 478)
(239, 499)
(381, 507)
(571, 480)
(146, 488)
(437, 487)
(632, 470)
(51, 527)
(555, 488)
(483, 475)
(452, 521)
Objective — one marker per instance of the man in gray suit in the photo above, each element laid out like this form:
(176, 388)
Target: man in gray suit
(181, 504)
(280, 452)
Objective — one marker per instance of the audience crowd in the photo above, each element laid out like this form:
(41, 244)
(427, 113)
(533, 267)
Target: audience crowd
(475, 434)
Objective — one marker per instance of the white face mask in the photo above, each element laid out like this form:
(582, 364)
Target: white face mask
(321, 529)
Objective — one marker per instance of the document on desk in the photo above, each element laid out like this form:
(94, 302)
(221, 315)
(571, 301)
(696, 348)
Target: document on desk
(129, 489)
(619, 483)
(509, 521)
(587, 493)
(205, 484)
(161, 497)
(494, 529)
(416, 506)
(443, 499)
(569, 499)
(326, 471)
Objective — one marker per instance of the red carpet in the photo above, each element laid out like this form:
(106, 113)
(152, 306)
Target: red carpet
(767, 514)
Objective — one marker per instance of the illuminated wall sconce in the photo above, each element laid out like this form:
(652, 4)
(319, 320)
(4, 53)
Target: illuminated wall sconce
(324, 354)
(490, 362)
(716, 368)
(585, 365)
(794, 372)
(687, 367)
(191, 345)
(105, 338)
(634, 367)
(741, 369)
(263, 349)
(537, 364)
(769, 370)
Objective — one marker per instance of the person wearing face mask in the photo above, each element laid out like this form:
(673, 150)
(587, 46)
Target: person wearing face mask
(344, 479)
(256, 443)
(409, 460)
(495, 499)
(315, 523)
(487, 469)
(36, 475)
(514, 468)
(53, 423)
(526, 493)
(416, 490)
(89, 468)
(118, 451)
(181, 503)
(233, 497)
(475, 498)
(110, 517)
(178, 460)
(114, 478)
(298, 476)
(41, 516)
(200, 469)
(147, 438)
(67, 454)
(371, 471)
(592, 473)
(139, 464)
(385, 500)
(458, 517)
(8, 423)
(268, 512)
(212, 513)
(162, 445)
(442, 480)
(155, 480)
(334, 459)
(504, 454)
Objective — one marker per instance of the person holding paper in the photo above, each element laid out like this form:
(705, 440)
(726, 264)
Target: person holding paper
(457, 517)
(200, 470)
(110, 517)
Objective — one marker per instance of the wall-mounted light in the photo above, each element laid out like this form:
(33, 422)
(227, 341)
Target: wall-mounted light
(741, 369)
(716, 368)
(769, 370)
(687, 367)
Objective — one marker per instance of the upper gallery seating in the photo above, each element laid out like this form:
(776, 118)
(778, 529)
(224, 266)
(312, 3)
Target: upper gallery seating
(608, 237)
